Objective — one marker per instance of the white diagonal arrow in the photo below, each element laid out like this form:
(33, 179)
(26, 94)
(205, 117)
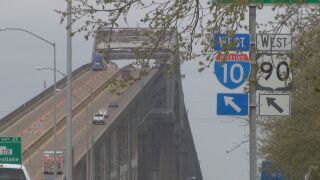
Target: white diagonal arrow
(229, 101)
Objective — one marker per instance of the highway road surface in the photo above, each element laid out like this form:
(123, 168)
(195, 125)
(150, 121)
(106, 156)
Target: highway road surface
(38, 121)
(28, 127)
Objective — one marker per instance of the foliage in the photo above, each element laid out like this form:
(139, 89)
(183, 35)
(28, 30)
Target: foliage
(293, 143)
(196, 21)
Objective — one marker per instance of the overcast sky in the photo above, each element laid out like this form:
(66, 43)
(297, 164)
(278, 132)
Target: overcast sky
(20, 53)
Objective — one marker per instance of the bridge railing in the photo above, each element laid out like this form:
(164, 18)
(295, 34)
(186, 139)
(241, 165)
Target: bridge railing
(40, 98)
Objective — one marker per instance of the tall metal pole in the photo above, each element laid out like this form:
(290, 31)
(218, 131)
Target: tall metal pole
(55, 110)
(87, 156)
(253, 104)
(69, 158)
(91, 138)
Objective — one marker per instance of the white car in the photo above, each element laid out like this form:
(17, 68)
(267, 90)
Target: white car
(98, 118)
(13, 171)
(103, 111)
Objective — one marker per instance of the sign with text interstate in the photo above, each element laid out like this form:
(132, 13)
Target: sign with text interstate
(268, 2)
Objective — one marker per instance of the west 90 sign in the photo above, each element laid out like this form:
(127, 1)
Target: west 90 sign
(232, 70)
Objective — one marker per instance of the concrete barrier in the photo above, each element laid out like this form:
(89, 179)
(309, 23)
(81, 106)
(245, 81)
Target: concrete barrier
(40, 98)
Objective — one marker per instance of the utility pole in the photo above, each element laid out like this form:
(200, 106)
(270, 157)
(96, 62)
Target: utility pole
(88, 148)
(252, 95)
(92, 174)
(69, 159)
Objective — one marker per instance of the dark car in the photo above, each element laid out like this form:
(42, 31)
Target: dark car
(114, 104)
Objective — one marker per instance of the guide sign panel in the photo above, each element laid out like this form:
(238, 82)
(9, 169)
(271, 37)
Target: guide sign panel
(274, 105)
(274, 42)
(237, 42)
(10, 150)
(269, 173)
(232, 70)
(232, 104)
(274, 72)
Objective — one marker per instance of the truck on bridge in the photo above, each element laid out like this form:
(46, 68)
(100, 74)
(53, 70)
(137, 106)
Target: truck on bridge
(97, 62)
(49, 163)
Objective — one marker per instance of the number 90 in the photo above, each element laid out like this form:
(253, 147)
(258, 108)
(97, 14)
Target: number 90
(266, 67)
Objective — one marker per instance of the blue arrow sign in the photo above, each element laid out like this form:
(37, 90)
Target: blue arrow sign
(232, 104)
(232, 73)
(239, 42)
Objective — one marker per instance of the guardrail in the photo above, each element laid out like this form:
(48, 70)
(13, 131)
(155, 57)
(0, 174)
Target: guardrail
(15, 115)
(116, 117)
(61, 122)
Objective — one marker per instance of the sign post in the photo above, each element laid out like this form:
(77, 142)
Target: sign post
(252, 95)
(10, 150)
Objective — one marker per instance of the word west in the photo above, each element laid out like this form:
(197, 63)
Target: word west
(271, 42)
(236, 41)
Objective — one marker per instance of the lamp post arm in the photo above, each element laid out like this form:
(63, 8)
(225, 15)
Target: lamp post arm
(23, 30)
(52, 69)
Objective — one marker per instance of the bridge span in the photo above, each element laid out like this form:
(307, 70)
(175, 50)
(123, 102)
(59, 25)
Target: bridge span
(147, 137)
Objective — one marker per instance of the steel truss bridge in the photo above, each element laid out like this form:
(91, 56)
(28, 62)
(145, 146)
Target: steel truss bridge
(147, 137)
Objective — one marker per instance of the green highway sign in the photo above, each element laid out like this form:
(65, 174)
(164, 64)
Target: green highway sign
(267, 2)
(10, 150)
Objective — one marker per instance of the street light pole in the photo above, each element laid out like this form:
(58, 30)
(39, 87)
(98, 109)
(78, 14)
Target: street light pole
(69, 159)
(55, 111)
(54, 87)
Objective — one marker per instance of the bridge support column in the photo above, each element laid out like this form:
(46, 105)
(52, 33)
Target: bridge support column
(100, 161)
(114, 174)
(157, 153)
(80, 171)
(168, 152)
(129, 137)
(92, 163)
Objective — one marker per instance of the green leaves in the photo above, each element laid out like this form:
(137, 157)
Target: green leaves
(293, 142)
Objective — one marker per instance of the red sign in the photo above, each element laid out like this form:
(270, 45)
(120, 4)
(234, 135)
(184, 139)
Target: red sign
(232, 57)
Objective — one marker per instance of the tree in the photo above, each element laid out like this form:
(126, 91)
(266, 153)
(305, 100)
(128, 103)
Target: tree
(196, 21)
(293, 143)
(289, 141)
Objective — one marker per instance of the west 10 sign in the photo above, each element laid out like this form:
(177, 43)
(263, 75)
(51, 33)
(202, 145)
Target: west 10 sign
(232, 70)
(237, 42)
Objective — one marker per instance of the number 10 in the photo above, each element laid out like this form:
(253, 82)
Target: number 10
(232, 69)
